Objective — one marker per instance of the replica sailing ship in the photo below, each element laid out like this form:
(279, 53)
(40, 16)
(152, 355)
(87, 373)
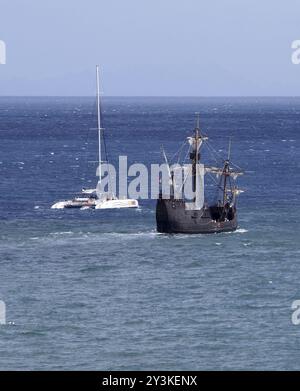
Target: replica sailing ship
(97, 198)
(178, 215)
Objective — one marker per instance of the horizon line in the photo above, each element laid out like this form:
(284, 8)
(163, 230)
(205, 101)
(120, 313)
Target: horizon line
(151, 96)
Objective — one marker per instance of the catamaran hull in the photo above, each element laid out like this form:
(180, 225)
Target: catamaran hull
(173, 217)
(72, 205)
(105, 204)
(61, 205)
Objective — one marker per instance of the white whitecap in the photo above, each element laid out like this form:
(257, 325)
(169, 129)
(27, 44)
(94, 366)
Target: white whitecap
(62, 233)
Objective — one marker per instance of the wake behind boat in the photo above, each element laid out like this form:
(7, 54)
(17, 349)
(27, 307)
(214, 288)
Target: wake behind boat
(97, 198)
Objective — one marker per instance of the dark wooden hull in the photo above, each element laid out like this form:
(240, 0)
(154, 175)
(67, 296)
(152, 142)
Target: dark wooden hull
(173, 217)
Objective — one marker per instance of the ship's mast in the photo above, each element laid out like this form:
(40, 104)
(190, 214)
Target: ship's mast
(197, 131)
(226, 172)
(196, 154)
(197, 169)
(98, 120)
(225, 180)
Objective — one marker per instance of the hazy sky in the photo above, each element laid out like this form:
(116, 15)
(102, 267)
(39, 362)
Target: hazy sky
(150, 47)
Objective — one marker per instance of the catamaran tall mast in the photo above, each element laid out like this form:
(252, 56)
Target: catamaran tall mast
(196, 156)
(99, 121)
(98, 198)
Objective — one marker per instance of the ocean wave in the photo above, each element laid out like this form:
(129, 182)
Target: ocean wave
(241, 230)
(61, 233)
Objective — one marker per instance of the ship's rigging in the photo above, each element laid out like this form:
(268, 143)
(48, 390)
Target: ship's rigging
(219, 175)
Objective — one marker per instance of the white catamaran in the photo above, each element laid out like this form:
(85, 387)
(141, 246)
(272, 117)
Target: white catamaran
(97, 198)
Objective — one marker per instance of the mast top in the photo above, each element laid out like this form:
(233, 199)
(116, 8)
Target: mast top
(198, 138)
(229, 149)
(197, 128)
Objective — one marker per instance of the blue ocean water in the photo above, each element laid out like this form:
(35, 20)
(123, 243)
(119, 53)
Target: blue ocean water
(101, 289)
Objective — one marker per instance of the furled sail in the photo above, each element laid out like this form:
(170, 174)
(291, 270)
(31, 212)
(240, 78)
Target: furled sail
(219, 171)
(192, 142)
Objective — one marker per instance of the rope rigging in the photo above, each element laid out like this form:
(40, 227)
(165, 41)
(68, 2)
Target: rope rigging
(224, 184)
